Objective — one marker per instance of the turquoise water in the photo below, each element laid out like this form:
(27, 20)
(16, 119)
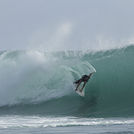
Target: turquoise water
(37, 93)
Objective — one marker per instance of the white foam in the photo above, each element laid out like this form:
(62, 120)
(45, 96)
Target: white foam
(40, 122)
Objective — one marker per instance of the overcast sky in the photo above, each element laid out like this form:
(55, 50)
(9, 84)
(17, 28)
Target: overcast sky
(65, 24)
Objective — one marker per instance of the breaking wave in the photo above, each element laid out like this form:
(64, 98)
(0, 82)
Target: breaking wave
(36, 82)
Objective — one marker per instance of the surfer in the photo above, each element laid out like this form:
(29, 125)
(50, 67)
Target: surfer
(84, 79)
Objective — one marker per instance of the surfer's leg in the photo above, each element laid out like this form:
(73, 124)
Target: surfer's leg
(83, 86)
(78, 85)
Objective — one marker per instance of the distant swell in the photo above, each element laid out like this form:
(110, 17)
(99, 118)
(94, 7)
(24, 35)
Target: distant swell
(35, 82)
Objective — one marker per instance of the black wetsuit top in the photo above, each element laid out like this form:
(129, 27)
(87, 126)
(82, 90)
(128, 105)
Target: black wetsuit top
(84, 78)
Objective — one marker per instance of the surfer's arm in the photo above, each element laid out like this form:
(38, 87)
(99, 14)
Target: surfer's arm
(90, 75)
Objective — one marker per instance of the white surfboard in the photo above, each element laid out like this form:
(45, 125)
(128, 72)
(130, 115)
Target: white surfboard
(78, 90)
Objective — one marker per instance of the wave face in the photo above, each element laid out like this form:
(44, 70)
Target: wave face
(35, 82)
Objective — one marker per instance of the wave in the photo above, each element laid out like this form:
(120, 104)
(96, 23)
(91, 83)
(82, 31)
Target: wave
(36, 82)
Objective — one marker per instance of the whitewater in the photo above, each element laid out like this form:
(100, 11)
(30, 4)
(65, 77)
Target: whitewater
(37, 93)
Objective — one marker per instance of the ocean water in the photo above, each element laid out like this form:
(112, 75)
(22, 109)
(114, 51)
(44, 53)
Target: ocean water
(37, 93)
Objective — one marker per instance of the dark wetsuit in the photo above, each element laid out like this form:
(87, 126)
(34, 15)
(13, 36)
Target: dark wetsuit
(84, 78)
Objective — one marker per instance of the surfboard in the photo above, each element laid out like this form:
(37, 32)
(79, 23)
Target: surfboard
(78, 90)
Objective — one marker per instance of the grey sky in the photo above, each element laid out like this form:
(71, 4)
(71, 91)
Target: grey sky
(65, 24)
